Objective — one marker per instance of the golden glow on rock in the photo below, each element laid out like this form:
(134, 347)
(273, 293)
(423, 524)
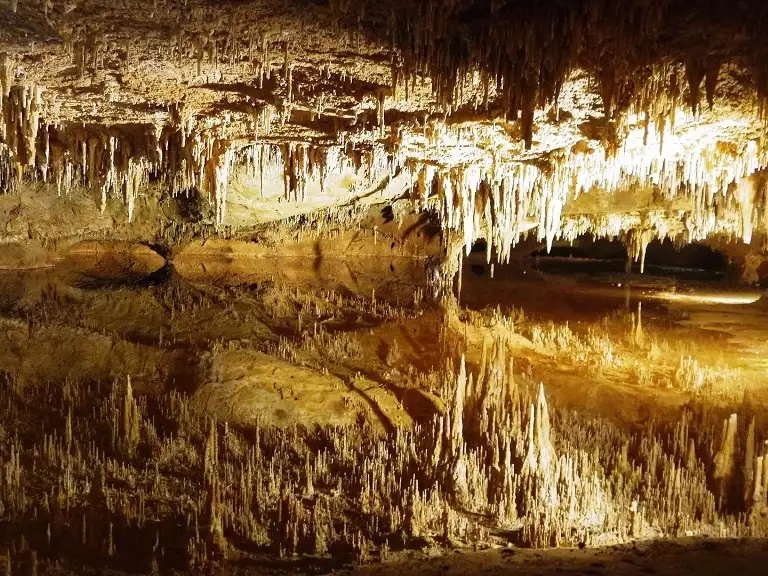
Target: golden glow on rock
(479, 175)
(488, 186)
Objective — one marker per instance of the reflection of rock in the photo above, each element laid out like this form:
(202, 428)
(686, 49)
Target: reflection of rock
(376, 254)
(246, 386)
(112, 259)
(56, 353)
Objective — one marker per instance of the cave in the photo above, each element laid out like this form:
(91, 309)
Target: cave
(383, 287)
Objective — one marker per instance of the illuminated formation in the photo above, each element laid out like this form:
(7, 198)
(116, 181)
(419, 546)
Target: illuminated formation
(504, 128)
(497, 456)
(247, 316)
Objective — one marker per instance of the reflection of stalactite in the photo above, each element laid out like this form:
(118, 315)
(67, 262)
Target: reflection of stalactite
(502, 457)
(724, 460)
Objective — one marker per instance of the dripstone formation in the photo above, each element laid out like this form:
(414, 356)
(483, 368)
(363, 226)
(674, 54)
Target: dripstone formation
(239, 337)
(636, 121)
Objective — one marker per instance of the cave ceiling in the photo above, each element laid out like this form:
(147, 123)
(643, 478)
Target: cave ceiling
(635, 119)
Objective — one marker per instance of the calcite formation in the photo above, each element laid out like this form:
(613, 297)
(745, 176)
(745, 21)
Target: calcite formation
(505, 117)
(498, 455)
(403, 131)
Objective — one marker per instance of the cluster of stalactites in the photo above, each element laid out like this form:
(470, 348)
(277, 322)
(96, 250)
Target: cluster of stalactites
(742, 210)
(118, 163)
(499, 200)
(208, 163)
(301, 162)
(522, 53)
(106, 161)
(658, 93)
(20, 108)
(522, 61)
(114, 162)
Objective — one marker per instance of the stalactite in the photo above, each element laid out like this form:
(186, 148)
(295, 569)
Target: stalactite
(6, 75)
(223, 161)
(712, 75)
(745, 198)
(639, 240)
(695, 73)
